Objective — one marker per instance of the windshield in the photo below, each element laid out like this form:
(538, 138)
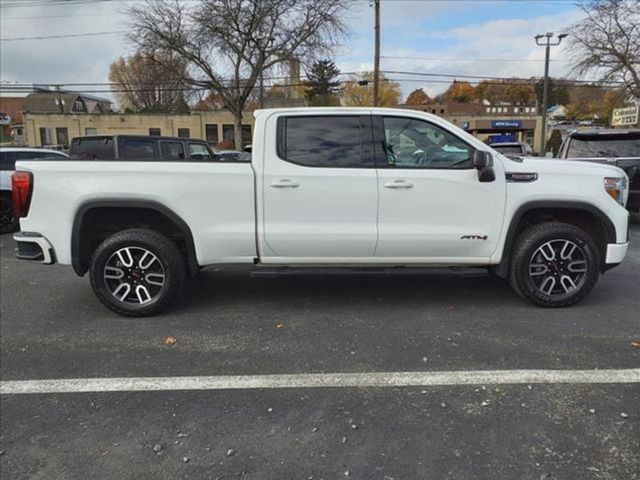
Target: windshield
(605, 147)
(508, 149)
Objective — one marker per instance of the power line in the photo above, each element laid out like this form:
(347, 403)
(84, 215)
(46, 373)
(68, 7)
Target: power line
(71, 35)
(468, 59)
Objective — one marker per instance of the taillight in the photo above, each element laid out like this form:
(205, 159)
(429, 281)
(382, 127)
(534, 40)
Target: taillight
(21, 188)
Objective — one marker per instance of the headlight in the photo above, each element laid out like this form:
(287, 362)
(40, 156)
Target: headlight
(616, 187)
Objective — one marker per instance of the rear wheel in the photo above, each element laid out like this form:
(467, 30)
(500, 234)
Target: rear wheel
(554, 265)
(137, 272)
(8, 219)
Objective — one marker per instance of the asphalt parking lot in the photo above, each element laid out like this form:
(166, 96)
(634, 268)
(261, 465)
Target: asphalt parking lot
(229, 323)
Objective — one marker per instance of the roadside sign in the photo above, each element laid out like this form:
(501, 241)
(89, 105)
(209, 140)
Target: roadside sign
(506, 123)
(625, 116)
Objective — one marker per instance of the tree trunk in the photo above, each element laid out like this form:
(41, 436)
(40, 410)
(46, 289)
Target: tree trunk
(237, 122)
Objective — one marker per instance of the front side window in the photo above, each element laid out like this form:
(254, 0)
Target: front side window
(172, 150)
(199, 152)
(323, 141)
(414, 143)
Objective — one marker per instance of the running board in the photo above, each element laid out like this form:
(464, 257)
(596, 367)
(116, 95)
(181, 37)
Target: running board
(370, 271)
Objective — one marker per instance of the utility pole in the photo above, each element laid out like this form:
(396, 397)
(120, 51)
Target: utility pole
(546, 41)
(376, 60)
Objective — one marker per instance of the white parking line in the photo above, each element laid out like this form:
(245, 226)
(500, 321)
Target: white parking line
(320, 380)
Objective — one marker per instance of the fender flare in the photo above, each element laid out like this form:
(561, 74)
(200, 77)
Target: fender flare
(81, 267)
(502, 269)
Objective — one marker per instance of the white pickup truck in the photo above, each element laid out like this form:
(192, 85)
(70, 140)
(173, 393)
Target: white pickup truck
(340, 187)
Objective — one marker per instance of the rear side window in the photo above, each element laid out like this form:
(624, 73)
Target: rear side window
(8, 159)
(324, 141)
(98, 148)
(136, 149)
(172, 150)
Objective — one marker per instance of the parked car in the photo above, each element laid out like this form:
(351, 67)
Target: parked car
(514, 149)
(139, 147)
(610, 146)
(336, 187)
(8, 158)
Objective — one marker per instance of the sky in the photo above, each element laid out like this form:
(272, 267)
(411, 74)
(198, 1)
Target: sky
(454, 37)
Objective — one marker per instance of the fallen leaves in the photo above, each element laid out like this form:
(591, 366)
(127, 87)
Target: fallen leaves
(169, 340)
(280, 325)
(635, 344)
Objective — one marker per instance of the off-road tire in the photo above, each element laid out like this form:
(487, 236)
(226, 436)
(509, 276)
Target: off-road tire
(167, 254)
(528, 244)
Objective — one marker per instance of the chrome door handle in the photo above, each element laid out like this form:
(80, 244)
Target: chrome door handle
(285, 183)
(398, 184)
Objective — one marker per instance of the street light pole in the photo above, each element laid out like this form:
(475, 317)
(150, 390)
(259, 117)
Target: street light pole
(546, 41)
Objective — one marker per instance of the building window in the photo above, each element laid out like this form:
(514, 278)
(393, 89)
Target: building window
(155, 132)
(90, 131)
(45, 136)
(246, 136)
(211, 133)
(78, 106)
(184, 133)
(62, 135)
(228, 133)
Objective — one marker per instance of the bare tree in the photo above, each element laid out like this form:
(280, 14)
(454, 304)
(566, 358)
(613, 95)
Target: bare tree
(143, 84)
(607, 42)
(228, 43)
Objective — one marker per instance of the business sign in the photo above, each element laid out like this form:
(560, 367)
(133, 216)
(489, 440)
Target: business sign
(5, 119)
(625, 116)
(506, 123)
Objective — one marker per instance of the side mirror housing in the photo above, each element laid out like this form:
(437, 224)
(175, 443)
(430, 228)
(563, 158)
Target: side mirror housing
(483, 162)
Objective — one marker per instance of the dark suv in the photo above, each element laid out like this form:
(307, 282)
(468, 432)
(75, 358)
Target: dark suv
(140, 147)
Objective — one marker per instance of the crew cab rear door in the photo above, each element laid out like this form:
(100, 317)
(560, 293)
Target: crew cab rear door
(320, 189)
(433, 207)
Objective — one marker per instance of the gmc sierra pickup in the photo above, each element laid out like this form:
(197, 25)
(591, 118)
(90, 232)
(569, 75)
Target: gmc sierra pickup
(340, 187)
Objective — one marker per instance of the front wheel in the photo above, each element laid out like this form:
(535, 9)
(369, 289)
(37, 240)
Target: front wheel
(137, 272)
(554, 265)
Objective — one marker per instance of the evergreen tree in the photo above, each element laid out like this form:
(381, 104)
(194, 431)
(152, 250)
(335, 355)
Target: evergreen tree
(322, 84)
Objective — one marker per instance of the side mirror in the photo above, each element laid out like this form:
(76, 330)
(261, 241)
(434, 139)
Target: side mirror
(483, 162)
(482, 159)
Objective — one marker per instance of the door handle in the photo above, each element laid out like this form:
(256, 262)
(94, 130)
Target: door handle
(285, 183)
(398, 184)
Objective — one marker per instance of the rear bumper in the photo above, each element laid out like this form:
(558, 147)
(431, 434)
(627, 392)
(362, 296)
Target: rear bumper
(33, 246)
(615, 254)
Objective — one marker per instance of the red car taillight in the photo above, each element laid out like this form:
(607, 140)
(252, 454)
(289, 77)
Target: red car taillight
(21, 188)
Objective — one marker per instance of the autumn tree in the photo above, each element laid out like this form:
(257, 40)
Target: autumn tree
(226, 44)
(461, 92)
(607, 42)
(358, 91)
(558, 92)
(521, 93)
(322, 85)
(150, 84)
(418, 97)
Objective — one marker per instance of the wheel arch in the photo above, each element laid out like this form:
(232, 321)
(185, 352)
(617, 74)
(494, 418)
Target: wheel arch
(127, 214)
(580, 214)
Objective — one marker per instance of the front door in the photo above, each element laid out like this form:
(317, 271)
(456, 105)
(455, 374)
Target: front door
(320, 190)
(433, 208)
